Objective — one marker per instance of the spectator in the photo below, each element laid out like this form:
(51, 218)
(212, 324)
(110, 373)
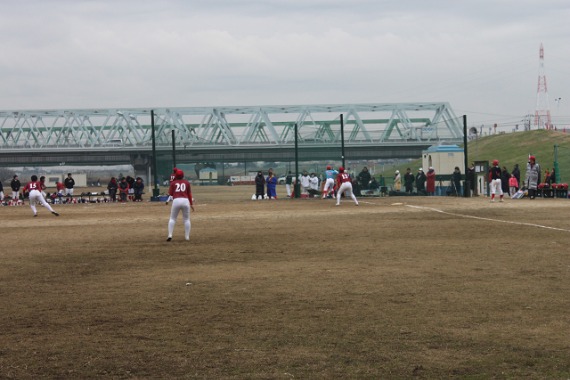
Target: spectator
(355, 187)
(313, 185)
(259, 185)
(1, 191)
(532, 177)
(112, 187)
(69, 183)
(364, 178)
(288, 184)
(430, 179)
(271, 182)
(421, 182)
(397, 181)
(547, 176)
(305, 182)
(15, 185)
(123, 189)
(409, 181)
(374, 185)
(513, 185)
(138, 188)
(131, 182)
(505, 176)
(517, 173)
(553, 176)
(456, 181)
(470, 178)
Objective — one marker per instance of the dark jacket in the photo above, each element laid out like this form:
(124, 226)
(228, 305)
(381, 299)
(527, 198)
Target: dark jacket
(69, 183)
(113, 186)
(470, 176)
(138, 186)
(456, 178)
(421, 181)
(259, 185)
(15, 185)
(364, 178)
(505, 180)
(517, 173)
(124, 186)
(409, 181)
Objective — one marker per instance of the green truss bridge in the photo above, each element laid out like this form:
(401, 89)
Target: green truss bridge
(225, 134)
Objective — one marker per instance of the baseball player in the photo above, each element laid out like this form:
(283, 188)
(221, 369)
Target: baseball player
(330, 175)
(43, 185)
(34, 190)
(173, 175)
(181, 194)
(344, 184)
(495, 181)
(15, 185)
(69, 183)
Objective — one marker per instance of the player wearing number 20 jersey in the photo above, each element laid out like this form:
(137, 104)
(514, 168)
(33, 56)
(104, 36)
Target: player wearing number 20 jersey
(181, 195)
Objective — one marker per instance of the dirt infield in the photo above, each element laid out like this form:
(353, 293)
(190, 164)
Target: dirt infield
(398, 287)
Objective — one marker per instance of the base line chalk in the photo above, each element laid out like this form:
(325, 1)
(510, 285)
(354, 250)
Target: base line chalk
(489, 219)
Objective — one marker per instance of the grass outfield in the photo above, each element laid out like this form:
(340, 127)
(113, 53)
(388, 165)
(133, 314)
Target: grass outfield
(398, 287)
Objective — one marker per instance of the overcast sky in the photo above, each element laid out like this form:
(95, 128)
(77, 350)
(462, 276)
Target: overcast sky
(481, 56)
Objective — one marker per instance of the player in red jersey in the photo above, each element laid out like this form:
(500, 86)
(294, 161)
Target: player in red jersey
(173, 175)
(181, 195)
(60, 187)
(344, 184)
(44, 187)
(34, 190)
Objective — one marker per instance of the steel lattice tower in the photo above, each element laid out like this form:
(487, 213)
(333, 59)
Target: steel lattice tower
(542, 113)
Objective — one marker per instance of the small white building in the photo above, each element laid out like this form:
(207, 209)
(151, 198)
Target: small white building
(443, 159)
(208, 175)
(79, 178)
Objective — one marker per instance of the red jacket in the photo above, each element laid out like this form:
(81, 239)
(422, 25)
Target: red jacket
(430, 182)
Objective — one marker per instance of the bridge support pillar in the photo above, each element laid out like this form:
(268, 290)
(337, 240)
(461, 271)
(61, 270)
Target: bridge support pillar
(142, 163)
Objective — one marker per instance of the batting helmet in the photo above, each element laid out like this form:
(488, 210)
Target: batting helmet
(341, 169)
(495, 162)
(179, 174)
(329, 167)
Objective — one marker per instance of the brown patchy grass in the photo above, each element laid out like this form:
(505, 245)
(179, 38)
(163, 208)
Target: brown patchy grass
(287, 289)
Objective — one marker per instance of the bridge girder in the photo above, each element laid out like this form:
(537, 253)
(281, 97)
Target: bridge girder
(228, 126)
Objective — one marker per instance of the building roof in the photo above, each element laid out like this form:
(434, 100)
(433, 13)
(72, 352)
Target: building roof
(444, 149)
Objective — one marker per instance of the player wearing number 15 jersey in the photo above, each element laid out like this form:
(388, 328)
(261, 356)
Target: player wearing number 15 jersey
(181, 195)
(34, 189)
